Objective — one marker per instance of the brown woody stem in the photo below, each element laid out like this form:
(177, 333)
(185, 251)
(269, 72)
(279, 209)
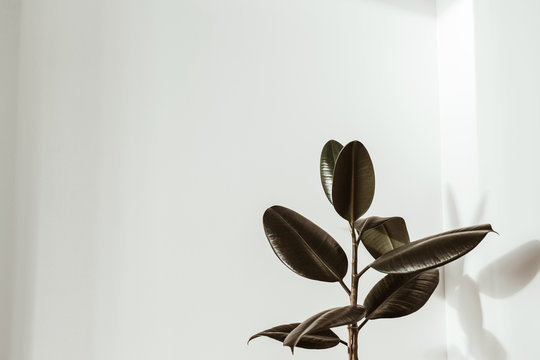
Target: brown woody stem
(345, 287)
(362, 272)
(362, 324)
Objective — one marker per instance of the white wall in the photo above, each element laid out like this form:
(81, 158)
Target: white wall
(489, 141)
(153, 135)
(459, 161)
(508, 54)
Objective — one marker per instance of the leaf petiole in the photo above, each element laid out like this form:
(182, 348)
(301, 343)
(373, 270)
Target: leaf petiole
(344, 286)
(362, 272)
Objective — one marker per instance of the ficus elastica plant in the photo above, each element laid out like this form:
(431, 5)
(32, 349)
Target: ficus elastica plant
(410, 267)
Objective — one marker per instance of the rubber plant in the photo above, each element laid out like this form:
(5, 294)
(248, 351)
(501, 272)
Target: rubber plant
(348, 180)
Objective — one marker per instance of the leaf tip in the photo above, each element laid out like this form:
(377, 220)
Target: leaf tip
(291, 347)
(489, 229)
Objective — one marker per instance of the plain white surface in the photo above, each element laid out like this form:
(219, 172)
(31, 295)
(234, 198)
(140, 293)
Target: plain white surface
(492, 293)
(153, 135)
(148, 138)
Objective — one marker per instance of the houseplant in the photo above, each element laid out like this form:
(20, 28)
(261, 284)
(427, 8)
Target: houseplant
(348, 180)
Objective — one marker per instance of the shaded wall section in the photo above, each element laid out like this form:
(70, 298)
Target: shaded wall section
(9, 36)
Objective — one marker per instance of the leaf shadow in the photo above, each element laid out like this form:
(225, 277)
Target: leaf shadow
(465, 298)
(481, 343)
(512, 272)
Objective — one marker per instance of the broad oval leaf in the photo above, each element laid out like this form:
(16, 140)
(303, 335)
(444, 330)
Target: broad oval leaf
(325, 320)
(381, 235)
(353, 186)
(398, 295)
(303, 246)
(432, 251)
(323, 339)
(329, 155)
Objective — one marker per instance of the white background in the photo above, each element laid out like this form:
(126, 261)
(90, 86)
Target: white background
(489, 128)
(142, 141)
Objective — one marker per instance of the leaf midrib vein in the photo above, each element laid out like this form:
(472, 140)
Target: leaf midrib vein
(393, 292)
(310, 248)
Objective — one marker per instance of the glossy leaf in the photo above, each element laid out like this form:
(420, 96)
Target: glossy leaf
(303, 246)
(323, 339)
(329, 156)
(381, 235)
(398, 295)
(353, 186)
(325, 320)
(432, 251)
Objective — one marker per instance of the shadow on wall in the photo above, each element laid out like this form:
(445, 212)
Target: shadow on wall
(501, 278)
(511, 272)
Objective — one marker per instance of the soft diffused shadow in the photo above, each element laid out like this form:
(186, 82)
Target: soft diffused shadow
(486, 346)
(481, 344)
(469, 305)
(455, 354)
(465, 298)
(511, 272)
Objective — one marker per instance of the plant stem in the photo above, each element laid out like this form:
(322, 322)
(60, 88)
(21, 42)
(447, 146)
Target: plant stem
(362, 324)
(353, 328)
(353, 342)
(362, 272)
(345, 287)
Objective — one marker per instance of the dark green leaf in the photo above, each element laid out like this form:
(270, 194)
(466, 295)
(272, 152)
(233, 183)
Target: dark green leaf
(323, 339)
(329, 156)
(354, 182)
(381, 235)
(325, 320)
(400, 294)
(432, 251)
(303, 246)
